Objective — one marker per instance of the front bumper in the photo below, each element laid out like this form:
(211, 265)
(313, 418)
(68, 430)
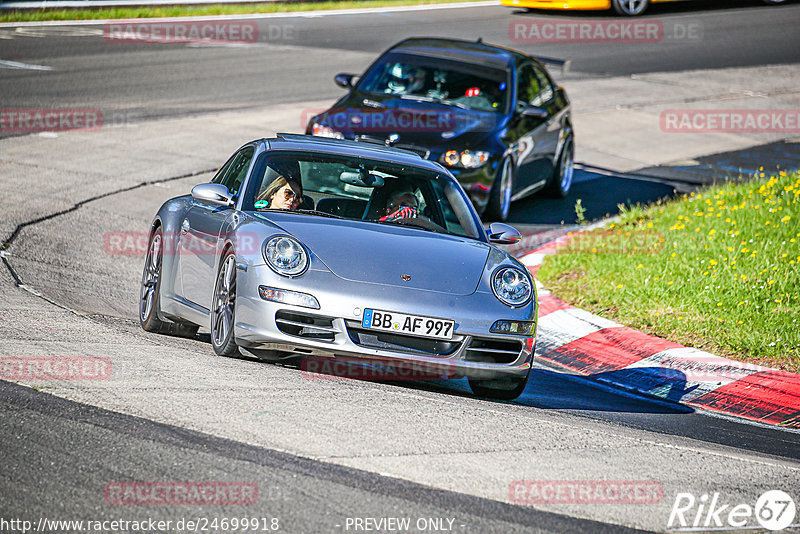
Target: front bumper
(334, 331)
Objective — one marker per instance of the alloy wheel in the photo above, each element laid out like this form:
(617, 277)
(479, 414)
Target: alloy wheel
(630, 7)
(224, 302)
(505, 189)
(566, 166)
(150, 276)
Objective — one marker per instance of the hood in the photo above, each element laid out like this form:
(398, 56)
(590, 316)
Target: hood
(416, 122)
(379, 254)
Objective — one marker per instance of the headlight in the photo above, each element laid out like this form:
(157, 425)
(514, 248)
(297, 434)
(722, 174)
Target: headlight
(286, 256)
(325, 131)
(512, 286)
(465, 159)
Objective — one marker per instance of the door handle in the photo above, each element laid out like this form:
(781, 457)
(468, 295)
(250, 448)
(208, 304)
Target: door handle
(185, 227)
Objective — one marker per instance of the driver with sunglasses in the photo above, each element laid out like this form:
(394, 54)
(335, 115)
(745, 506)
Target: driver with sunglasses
(281, 194)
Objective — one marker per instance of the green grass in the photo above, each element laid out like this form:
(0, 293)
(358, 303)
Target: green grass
(198, 11)
(718, 270)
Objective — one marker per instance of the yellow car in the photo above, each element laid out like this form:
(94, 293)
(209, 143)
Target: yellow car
(623, 7)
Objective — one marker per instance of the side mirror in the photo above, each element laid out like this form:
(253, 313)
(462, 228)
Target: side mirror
(344, 80)
(503, 234)
(534, 112)
(213, 194)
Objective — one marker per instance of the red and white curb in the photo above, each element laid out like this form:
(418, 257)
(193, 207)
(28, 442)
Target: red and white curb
(609, 352)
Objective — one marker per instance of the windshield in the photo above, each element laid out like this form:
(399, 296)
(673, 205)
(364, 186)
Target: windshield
(451, 82)
(348, 187)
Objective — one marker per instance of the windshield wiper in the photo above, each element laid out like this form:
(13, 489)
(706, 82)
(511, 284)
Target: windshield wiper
(421, 225)
(433, 100)
(310, 212)
(320, 213)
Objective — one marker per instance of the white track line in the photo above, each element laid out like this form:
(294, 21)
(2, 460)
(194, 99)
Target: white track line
(6, 64)
(256, 16)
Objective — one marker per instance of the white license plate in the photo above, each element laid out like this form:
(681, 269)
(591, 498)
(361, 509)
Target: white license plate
(400, 323)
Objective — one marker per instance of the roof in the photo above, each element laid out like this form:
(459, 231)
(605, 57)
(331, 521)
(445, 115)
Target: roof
(460, 50)
(285, 141)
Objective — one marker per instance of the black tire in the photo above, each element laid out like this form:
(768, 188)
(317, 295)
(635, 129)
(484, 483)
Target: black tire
(150, 293)
(500, 196)
(630, 8)
(223, 307)
(499, 389)
(561, 181)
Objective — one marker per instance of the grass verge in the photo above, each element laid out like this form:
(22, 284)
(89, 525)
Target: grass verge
(717, 270)
(200, 10)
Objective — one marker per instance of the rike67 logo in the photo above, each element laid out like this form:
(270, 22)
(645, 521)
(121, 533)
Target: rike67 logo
(774, 510)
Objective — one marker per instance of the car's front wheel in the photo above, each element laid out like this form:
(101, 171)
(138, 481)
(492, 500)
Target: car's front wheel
(149, 295)
(500, 388)
(630, 7)
(561, 182)
(223, 310)
(500, 197)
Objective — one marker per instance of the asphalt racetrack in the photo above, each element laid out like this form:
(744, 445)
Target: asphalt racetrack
(327, 455)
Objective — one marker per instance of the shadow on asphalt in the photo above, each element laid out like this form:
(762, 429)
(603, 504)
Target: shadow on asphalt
(599, 195)
(735, 165)
(547, 388)
(561, 391)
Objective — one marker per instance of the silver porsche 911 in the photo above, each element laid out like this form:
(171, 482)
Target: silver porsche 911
(305, 247)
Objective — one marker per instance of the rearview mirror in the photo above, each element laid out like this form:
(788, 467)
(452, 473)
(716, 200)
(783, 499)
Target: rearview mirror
(213, 194)
(362, 179)
(344, 80)
(503, 234)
